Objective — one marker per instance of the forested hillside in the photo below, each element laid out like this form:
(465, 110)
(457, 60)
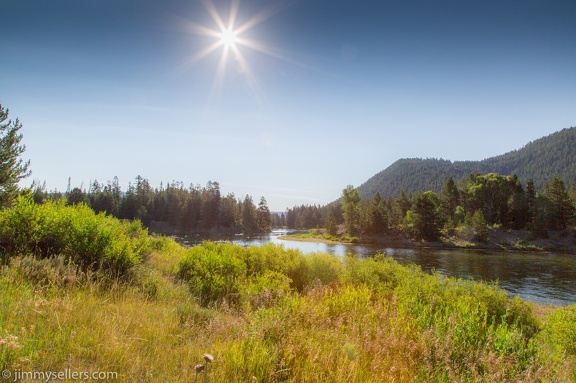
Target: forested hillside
(538, 160)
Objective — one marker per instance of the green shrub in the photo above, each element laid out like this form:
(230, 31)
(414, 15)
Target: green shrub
(560, 330)
(92, 241)
(378, 272)
(324, 267)
(213, 272)
(520, 314)
(164, 244)
(289, 262)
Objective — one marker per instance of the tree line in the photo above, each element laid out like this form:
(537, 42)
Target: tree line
(478, 201)
(183, 209)
(189, 209)
(475, 203)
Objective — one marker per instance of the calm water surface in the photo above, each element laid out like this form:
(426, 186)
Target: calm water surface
(543, 278)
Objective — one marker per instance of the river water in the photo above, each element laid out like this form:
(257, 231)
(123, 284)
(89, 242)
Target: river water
(542, 278)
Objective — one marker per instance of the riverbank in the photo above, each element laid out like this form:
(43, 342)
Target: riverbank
(498, 239)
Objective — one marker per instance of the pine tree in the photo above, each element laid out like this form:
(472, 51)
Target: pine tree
(351, 208)
(449, 198)
(531, 200)
(560, 211)
(12, 167)
(263, 219)
(400, 207)
(425, 216)
(377, 216)
(248, 215)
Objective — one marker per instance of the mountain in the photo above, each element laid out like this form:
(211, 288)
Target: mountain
(539, 160)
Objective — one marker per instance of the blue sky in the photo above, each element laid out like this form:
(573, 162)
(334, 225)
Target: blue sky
(335, 92)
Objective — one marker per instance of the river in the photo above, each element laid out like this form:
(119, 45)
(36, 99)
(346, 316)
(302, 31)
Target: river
(542, 278)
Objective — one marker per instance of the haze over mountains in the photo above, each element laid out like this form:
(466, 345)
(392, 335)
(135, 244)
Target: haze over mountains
(539, 160)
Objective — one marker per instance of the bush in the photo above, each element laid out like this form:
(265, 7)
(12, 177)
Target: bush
(213, 272)
(87, 239)
(324, 267)
(377, 272)
(560, 331)
(271, 257)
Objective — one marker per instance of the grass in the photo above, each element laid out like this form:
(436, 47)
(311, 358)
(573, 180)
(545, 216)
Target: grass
(348, 321)
(524, 246)
(320, 236)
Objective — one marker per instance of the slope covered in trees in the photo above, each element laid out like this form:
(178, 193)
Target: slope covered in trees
(538, 160)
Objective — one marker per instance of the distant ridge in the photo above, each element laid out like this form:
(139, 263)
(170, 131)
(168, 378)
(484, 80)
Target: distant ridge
(539, 160)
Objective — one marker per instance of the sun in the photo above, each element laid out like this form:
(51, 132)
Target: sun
(228, 38)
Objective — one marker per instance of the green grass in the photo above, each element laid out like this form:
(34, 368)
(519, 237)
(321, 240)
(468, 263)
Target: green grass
(323, 237)
(524, 246)
(271, 314)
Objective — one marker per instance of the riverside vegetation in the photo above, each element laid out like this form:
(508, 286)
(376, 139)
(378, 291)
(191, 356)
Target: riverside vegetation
(483, 211)
(87, 292)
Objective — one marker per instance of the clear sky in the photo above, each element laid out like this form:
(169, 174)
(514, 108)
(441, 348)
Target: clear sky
(308, 96)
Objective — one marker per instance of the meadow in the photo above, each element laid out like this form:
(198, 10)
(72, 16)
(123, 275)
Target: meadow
(86, 292)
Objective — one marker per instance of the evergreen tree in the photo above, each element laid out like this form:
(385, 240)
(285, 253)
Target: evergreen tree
(211, 205)
(263, 218)
(227, 211)
(531, 199)
(39, 193)
(351, 208)
(77, 196)
(248, 215)
(425, 216)
(400, 207)
(291, 219)
(560, 209)
(377, 217)
(12, 167)
(538, 227)
(519, 211)
(449, 198)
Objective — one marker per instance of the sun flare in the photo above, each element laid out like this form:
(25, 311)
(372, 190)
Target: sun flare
(228, 37)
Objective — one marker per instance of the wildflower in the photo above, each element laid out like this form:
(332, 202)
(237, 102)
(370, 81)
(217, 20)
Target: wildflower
(208, 358)
(199, 368)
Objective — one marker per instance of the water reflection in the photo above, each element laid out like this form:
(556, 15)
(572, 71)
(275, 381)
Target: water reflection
(543, 278)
